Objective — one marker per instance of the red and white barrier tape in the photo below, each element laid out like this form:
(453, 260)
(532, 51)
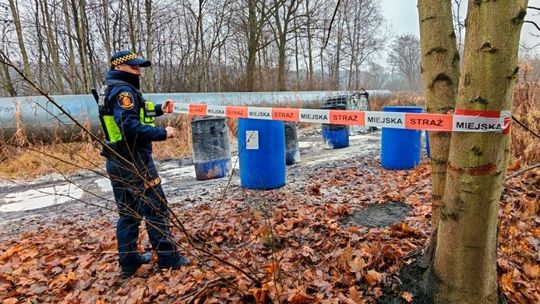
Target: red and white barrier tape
(461, 121)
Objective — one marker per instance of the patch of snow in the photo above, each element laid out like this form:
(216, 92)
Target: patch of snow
(104, 184)
(39, 198)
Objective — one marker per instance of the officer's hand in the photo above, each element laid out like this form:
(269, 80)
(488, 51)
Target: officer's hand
(171, 132)
(168, 106)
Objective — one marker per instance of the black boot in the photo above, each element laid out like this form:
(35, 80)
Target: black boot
(145, 258)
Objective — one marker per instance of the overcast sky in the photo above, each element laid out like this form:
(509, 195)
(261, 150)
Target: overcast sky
(403, 18)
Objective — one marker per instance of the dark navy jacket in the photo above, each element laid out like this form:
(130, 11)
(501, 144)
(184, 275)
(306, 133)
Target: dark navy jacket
(139, 137)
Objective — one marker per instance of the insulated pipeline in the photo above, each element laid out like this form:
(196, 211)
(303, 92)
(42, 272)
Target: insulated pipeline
(40, 120)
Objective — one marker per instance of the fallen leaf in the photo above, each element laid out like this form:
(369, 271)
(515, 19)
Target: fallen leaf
(507, 282)
(260, 295)
(272, 267)
(407, 296)
(10, 252)
(357, 266)
(373, 278)
(71, 276)
(356, 295)
(532, 271)
(300, 298)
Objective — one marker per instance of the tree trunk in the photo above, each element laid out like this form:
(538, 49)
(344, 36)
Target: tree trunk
(337, 61)
(118, 27)
(20, 37)
(72, 70)
(106, 27)
(6, 78)
(253, 45)
(309, 47)
(282, 57)
(296, 59)
(131, 26)
(89, 50)
(52, 45)
(77, 23)
(39, 75)
(148, 73)
(282, 30)
(465, 268)
(440, 76)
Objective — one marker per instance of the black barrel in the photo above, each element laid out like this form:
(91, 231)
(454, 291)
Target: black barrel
(211, 151)
(292, 152)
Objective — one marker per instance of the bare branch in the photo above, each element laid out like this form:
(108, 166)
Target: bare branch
(331, 22)
(533, 23)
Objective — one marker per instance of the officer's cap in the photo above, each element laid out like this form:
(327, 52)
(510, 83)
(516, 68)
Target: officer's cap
(128, 57)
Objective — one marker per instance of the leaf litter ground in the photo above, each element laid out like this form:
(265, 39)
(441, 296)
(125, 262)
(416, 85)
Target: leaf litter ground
(340, 231)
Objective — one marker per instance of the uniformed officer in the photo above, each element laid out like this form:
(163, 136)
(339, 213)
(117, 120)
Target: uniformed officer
(129, 122)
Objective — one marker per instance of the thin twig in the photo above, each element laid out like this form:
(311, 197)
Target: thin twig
(210, 284)
(517, 173)
(331, 22)
(533, 23)
(525, 127)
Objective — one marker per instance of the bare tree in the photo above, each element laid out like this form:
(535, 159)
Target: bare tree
(256, 19)
(405, 57)
(77, 6)
(459, 22)
(363, 36)
(285, 14)
(374, 76)
(203, 45)
(20, 36)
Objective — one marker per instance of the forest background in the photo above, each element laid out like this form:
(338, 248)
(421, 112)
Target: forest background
(217, 45)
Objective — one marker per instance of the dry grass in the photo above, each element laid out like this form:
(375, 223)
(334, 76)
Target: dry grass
(399, 99)
(22, 160)
(526, 108)
(179, 146)
(31, 161)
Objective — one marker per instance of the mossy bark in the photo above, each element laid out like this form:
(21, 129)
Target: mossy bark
(465, 256)
(440, 76)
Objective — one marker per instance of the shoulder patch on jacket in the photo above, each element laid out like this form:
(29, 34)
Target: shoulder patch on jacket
(125, 101)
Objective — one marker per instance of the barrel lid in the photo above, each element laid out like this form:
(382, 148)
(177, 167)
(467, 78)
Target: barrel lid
(411, 108)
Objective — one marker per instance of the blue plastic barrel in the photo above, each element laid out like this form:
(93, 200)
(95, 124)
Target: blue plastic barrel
(400, 149)
(335, 136)
(261, 149)
(211, 151)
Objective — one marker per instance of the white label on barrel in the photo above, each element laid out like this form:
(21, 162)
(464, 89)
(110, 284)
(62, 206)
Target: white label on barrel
(385, 120)
(252, 140)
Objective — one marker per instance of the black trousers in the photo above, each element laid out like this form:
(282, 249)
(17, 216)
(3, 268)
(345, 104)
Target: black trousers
(137, 200)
